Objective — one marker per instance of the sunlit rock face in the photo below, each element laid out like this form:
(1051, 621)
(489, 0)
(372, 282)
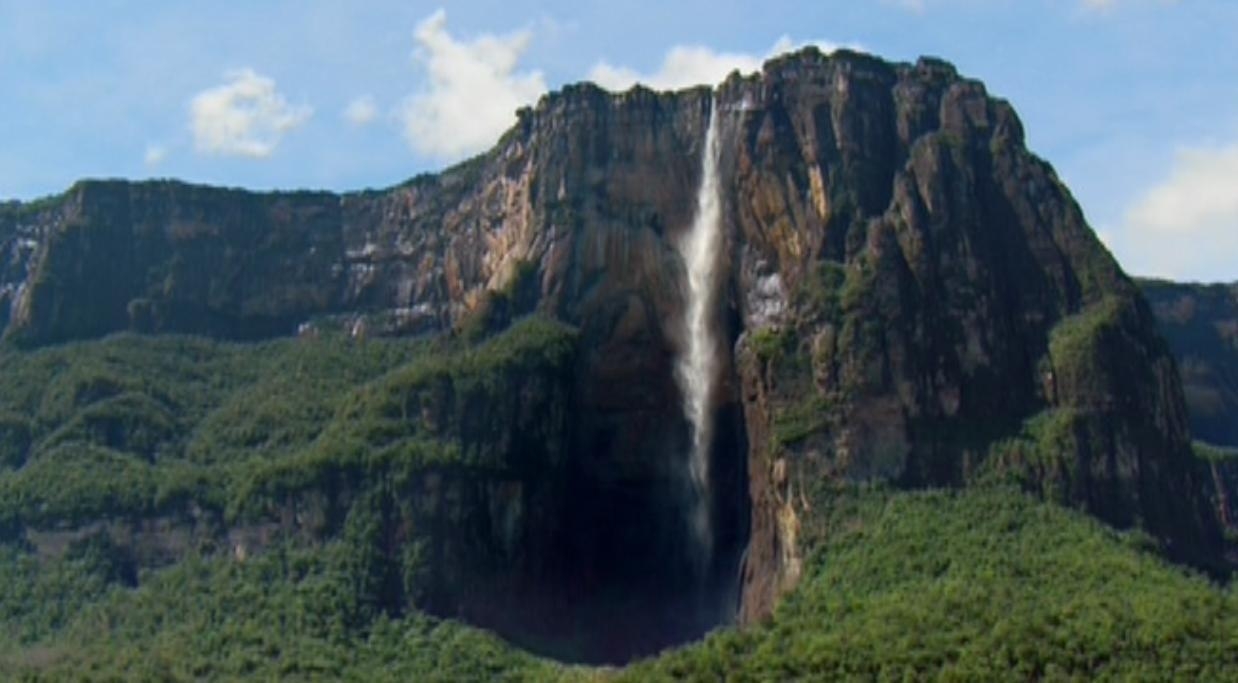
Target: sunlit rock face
(906, 295)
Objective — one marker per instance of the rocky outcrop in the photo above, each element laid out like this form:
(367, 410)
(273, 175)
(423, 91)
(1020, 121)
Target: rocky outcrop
(914, 299)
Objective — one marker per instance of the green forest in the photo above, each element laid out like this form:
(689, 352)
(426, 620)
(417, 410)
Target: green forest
(984, 583)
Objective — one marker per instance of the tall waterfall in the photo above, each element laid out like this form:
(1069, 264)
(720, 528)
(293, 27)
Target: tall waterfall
(697, 366)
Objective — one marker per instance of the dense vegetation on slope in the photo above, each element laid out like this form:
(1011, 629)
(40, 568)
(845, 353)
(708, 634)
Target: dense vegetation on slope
(975, 585)
(291, 613)
(134, 426)
(982, 584)
(978, 584)
(101, 435)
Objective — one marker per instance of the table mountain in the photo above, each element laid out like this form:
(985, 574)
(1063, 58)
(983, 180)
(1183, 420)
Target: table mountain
(910, 298)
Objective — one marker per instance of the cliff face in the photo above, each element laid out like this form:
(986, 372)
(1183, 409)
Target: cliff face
(1200, 322)
(575, 203)
(912, 297)
(924, 304)
(570, 214)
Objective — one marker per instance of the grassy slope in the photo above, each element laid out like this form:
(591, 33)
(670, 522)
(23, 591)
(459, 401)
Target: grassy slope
(977, 585)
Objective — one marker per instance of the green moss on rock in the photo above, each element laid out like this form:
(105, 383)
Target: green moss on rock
(1075, 343)
(797, 421)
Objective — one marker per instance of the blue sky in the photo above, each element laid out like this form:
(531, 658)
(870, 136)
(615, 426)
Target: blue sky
(1135, 102)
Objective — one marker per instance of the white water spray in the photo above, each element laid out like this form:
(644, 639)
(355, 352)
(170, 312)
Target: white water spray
(696, 369)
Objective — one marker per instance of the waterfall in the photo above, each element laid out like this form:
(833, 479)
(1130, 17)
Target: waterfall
(696, 369)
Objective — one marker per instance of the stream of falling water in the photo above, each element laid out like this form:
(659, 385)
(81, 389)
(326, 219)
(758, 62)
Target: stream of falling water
(696, 369)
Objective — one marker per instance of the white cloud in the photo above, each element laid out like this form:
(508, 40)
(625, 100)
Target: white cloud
(155, 154)
(361, 111)
(1187, 226)
(689, 65)
(473, 93)
(245, 116)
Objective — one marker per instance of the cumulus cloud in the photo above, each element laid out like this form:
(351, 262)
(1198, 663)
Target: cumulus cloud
(1186, 226)
(689, 65)
(473, 92)
(361, 111)
(244, 116)
(155, 154)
